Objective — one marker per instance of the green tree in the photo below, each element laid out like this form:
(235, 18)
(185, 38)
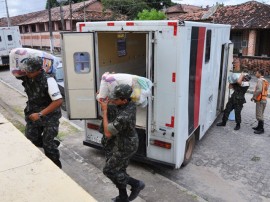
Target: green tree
(152, 14)
(125, 7)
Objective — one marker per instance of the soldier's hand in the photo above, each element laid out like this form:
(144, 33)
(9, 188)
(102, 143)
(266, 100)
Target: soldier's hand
(103, 104)
(34, 117)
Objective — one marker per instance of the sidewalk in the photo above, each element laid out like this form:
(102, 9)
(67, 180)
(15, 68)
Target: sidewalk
(26, 174)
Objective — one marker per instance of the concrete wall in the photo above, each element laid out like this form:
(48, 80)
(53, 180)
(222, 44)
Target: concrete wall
(252, 64)
(40, 40)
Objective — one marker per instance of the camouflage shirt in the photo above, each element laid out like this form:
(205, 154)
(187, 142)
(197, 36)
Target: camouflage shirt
(122, 121)
(38, 97)
(238, 95)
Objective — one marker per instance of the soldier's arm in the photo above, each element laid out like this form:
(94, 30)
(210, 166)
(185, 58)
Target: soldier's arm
(53, 106)
(107, 133)
(104, 108)
(240, 79)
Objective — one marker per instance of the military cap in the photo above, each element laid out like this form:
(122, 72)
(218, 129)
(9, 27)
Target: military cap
(33, 64)
(122, 91)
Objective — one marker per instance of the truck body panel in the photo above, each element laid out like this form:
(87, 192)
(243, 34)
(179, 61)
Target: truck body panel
(9, 38)
(187, 63)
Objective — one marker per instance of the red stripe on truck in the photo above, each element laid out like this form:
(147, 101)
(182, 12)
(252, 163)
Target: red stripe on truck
(81, 26)
(199, 64)
(173, 77)
(130, 23)
(174, 24)
(110, 24)
(171, 124)
(195, 73)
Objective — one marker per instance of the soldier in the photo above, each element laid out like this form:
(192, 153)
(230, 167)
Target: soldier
(260, 98)
(236, 100)
(42, 112)
(120, 141)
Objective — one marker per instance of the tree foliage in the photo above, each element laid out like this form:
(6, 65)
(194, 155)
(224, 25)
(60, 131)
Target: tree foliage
(54, 3)
(125, 7)
(159, 4)
(152, 14)
(132, 7)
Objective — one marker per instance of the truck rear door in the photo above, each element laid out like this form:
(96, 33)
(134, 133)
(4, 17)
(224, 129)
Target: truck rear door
(3, 50)
(10, 35)
(79, 69)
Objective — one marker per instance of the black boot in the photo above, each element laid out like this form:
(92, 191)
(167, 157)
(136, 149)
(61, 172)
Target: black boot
(54, 158)
(136, 187)
(260, 129)
(237, 127)
(256, 128)
(222, 123)
(123, 197)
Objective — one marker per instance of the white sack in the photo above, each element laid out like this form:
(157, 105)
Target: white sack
(18, 56)
(141, 86)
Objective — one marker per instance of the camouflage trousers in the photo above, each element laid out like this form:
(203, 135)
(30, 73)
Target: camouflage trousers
(237, 107)
(115, 167)
(43, 136)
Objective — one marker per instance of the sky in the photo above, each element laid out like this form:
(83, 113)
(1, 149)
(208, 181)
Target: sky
(18, 7)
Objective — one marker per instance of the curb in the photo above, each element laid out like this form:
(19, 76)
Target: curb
(200, 199)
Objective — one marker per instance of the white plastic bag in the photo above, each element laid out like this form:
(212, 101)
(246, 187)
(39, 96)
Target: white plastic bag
(18, 56)
(141, 86)
(233, 77)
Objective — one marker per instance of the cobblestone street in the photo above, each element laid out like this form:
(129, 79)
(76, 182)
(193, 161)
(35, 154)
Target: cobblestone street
(229, 165)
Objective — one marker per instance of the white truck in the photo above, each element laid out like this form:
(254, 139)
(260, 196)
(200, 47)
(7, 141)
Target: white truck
(187, 62)
(9, 38)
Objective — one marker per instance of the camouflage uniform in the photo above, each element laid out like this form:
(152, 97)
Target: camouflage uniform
(235, 102)
(122, 145)
(42, 131)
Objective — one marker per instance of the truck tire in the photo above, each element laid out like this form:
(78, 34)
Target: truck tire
(190, 144)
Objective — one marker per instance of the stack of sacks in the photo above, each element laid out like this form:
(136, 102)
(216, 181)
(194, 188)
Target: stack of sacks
(233, 77)
(141, 86)
(18, 57)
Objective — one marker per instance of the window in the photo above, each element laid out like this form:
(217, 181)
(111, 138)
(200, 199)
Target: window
(237, 39)
(208, 45)
(82, 62)
(9, 37)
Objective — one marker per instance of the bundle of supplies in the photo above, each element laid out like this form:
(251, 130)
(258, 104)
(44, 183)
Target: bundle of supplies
(233, 77)
(141, 86)
(19, 56)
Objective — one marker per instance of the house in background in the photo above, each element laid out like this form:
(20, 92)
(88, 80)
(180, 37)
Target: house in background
(34, 27)
(175, 10)
(250, 31)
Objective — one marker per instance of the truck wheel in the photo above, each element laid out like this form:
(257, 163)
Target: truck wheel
(190, 144)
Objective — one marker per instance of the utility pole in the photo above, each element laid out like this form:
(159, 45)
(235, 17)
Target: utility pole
(7, 14)
(50, 27)
(70, 12)
(61, 13)
(84, 11)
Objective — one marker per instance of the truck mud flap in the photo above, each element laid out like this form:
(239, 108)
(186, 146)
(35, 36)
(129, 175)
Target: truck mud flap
(93, 144)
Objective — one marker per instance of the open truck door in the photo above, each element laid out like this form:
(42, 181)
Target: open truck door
(229, 69)
(79, 67)
(225, 68)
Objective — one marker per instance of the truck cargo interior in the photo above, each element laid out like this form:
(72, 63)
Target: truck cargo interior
(123, 53)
